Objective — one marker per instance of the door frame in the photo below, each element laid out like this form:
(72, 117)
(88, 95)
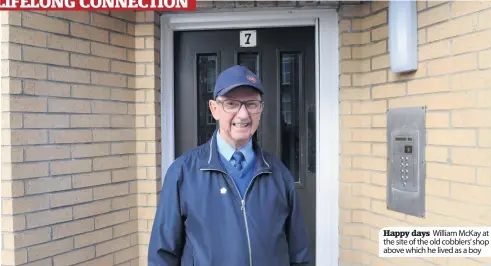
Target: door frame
(325, 21)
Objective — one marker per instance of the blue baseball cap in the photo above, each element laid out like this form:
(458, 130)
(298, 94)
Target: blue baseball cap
(234, 77)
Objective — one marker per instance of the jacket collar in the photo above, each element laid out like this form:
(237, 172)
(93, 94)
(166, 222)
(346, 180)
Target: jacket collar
(211, 162)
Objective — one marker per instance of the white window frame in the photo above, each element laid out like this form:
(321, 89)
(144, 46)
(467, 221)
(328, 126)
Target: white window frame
(325, 21)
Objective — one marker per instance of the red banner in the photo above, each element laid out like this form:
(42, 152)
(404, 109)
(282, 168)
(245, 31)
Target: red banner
(89, 5)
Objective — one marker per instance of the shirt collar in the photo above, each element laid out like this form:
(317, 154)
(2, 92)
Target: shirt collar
(226, 150)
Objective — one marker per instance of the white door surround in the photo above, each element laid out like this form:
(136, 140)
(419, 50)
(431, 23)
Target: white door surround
(327, 96)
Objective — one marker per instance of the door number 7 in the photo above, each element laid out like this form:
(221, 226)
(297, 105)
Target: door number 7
(248, 38)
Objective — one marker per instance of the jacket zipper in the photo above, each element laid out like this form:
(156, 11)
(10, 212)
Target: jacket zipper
(243, 208)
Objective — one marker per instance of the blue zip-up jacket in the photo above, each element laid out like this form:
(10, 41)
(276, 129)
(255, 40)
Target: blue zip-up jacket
(202, 220)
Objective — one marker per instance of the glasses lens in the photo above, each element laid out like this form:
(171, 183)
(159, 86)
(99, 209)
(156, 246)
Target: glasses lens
(232, 106)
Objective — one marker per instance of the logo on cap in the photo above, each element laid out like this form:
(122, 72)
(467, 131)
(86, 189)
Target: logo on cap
(251, 79)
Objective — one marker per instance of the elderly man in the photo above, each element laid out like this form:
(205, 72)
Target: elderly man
(227, 202)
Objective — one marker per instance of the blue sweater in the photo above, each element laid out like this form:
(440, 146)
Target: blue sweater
(241, 178)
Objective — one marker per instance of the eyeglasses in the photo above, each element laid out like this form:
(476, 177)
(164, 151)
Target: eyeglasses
(233, 106)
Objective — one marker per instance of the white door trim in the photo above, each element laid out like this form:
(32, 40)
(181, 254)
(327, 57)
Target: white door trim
(327, 96)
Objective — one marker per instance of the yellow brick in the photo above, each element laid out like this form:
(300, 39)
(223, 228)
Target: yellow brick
(461, 8)
(124, 175)
(108, 79)
(46, 88)
(105, 260)
(122, 94)
(110, 191)
(109, 51)
(355, 121)
(389, 90)
(128, 201)
(370, 21)
(380, 33)
(379, 150)
(113, 162)
(355, 10)
(27, 137)
(143, 82)
(484, 59)
(484, 19)
(434, 50)
(374, 77)
(90, 209)
(484, 138)
(76, 256)
(113, 134)
(70, 136)
(483, 98)
(471, 80)
(27, 204)
(19, 103)
(48, 184)
(50, 249)
(68, 44)
(480, 194)
(437, 154)
(379, 121)
(122, 121)
(89, 32)
(452, 28)
(13, 223)
(71, 166)
(26, 170)
(12, 189)
(82, 17)
(428, 85)
(111, 219)
(12, 154)
(434, 15)
(452, 64)
(91, 179)
(436, 120)
(354, 66)
(11, 51)
(89, 150)
(89, 62)
(89, 121)
(45, 56)
(345, 80)
(123, 67)
(471, 156)
(90, 92)
(355, 38)
(14, 257)
(108, 23)
(355, 148)
(68, 106)
(445, 101)
(25, 36)
(70, 197)
(122, 40)
(484, 176)
(370, 50)
(25, 70)
(471, 118)
(146, 56)
(422, 36)
(27, 238)
(43, 23)
(68, 75)
(379, 62)
(146, 30)
(370, 163)
(471, 42)
(452, 137)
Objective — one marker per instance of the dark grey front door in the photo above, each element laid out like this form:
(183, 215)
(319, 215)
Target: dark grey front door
(284, 59)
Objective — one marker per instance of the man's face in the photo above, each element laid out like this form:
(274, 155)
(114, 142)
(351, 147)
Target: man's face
(237, 126)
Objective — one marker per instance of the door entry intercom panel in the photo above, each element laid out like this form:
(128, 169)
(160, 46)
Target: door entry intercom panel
(406, 169)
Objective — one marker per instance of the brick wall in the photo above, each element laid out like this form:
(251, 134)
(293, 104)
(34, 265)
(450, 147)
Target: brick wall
(453, 82)
(80, 136)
